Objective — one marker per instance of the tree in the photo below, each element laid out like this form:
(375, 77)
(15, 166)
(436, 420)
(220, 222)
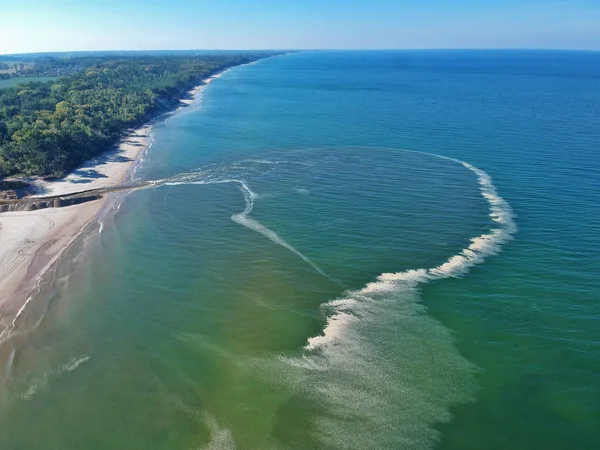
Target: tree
(50, 128)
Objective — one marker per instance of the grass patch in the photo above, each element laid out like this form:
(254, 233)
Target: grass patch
(10, 82)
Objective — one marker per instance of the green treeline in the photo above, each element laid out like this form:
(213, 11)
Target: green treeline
(50, 128)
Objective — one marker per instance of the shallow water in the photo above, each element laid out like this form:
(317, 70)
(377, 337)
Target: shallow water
(299, 280)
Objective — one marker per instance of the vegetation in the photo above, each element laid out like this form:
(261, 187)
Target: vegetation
(50, 128)
(10, 82)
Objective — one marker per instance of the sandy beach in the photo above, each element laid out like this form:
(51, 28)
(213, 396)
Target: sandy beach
(32, 241)
(191, 94)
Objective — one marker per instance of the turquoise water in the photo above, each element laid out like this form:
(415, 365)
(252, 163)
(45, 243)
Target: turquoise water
(326, 263)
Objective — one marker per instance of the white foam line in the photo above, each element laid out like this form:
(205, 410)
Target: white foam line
(244, 218)
(71, 365)
(14, 322)
(40, 382)
(457, 265)
(269, 162)
(6, 332)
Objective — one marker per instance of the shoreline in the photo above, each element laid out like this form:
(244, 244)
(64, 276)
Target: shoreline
(32, 242)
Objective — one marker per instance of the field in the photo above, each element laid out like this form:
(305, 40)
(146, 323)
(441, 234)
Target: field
(14, 81)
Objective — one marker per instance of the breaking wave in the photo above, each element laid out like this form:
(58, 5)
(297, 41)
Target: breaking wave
(458, 265)
(387, 371)
(383, 369)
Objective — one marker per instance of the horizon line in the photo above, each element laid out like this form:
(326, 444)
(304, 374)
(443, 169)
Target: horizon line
(525, 49)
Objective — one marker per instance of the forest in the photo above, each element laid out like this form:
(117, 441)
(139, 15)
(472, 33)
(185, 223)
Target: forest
(48, 129)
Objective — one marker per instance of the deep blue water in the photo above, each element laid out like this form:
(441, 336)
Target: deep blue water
(327, 264)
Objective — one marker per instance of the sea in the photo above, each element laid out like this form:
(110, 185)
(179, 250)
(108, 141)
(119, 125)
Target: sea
(338, 250)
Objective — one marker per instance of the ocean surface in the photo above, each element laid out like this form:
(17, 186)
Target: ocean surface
(342, 250)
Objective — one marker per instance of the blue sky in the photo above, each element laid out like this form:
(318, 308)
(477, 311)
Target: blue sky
(60, 25)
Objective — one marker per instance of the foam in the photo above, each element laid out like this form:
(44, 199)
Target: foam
(220, 438)
(7, 331)
(390, 281)
(457, 265)
(382, 371)
(72, 365)
(39, 383)
(277, 162)
(364, 386)
(242, 218)
(335, 324)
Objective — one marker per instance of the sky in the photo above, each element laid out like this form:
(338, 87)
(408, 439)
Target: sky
(69, 25)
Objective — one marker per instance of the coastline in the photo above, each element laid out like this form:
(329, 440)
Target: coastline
(32, 242)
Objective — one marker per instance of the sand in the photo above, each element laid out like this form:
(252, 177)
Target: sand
(191, 94)
(105, 170)
(31, 242)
